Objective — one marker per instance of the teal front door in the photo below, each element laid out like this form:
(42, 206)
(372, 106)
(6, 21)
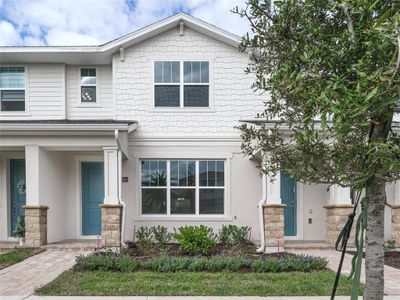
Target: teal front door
(17, 191)
(92, 197)
(288, 195)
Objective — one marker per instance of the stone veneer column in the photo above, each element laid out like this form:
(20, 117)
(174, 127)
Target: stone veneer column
(273, 209)
(111, 220)
(396, 224)
(337, 212)
(274, 225)
(35, 225)
(396, 214)
(111, 209)
(336, 218)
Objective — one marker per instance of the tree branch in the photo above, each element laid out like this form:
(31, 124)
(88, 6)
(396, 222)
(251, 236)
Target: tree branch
(349, 21)
(396, 69)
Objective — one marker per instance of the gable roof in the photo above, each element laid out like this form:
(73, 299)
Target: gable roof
(101, 54)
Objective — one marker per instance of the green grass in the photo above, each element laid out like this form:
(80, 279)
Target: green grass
(98, 283)
(17, 255)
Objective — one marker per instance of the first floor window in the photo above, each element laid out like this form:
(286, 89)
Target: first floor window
(183, 187)
(12, 88)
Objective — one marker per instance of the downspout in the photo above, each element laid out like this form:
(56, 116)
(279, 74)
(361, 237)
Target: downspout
(261, 213)
(119, 158)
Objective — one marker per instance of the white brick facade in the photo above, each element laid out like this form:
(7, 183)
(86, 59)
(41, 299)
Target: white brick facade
(232, 98)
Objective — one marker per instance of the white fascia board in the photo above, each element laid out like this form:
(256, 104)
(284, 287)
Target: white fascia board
(102, 53)
(171, 22)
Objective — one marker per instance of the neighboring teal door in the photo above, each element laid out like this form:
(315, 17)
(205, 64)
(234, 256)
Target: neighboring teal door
(288, 195)
(17, 191)
(92, 197)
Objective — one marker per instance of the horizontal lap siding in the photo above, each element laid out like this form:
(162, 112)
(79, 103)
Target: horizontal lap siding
(46, 91)
(104, 106)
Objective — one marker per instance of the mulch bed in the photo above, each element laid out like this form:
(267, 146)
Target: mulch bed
(172, 249)
(392, 258)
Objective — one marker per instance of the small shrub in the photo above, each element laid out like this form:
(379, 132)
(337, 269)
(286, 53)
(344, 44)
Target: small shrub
(95, 262)
(199, 264)
(20, 227)
(144, 239)
(389, 245)
(265, 266)
(232, 235)
(125, 264)
(165, 263)
(107, 262)
(195, 240)
(161, 234)
(218, 263)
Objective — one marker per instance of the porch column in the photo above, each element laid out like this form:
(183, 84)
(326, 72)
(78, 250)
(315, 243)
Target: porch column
(337, 211)
(396, 213)
(111, 209)
(35, 213)
(273, 214)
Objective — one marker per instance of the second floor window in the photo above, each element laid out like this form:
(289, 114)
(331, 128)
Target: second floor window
(88, 85)
(181, 84)
(12, 88)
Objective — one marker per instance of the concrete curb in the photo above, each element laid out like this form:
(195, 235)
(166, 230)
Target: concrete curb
(181, 298)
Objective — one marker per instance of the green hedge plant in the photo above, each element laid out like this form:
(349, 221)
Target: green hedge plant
(232, 235)
(195, 240)
(123, 263)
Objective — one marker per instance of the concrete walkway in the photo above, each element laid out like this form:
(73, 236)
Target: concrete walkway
(392, 275)
(184, 298)
(22, 278)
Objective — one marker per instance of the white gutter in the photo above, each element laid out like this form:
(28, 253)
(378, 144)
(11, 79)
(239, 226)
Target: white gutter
(261, 213)
(119, 159)
(66, 127)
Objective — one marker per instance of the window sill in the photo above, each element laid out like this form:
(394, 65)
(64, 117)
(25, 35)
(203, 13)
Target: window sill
(15, 114)
(183, 110)
(171, 218)
(94, 104)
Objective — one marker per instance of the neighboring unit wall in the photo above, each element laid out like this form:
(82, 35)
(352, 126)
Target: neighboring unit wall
(104, 106)
(231, 100)
(314, 198)
(45, 93)
(53, 174)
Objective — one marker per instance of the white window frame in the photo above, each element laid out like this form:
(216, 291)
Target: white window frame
(84, 103)
(17, 112)
(196, 187)
(182, 84)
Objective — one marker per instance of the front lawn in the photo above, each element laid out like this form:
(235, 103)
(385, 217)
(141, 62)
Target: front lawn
(17, 255)
(72, 283)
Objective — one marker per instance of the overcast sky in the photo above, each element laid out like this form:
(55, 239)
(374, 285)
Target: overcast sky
(93, 22)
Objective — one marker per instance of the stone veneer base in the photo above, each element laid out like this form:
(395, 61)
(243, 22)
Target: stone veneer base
(274, 225)
(111, 220)
(396, 224)
(35, 225)
(336, 218)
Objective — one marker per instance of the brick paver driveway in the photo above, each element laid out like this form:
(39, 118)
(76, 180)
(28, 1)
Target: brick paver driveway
(392, 275)
(22, 278)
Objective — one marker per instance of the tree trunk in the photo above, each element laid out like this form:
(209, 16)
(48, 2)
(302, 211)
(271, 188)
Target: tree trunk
(374, 256)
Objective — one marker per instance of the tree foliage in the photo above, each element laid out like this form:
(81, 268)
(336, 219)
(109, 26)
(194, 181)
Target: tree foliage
(331, 69)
